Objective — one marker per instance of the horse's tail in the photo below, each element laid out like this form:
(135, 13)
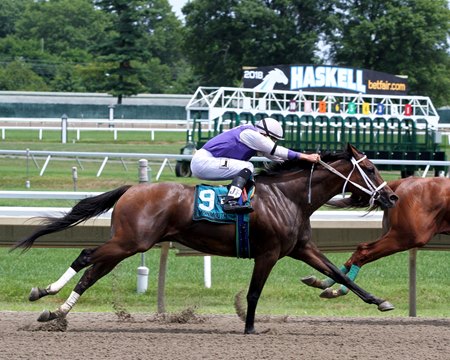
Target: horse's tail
(82, 211)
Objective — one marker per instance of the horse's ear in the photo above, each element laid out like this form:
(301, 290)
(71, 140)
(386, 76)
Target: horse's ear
(352, 150)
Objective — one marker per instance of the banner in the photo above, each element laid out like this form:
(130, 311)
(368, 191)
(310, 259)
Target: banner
(323, 78)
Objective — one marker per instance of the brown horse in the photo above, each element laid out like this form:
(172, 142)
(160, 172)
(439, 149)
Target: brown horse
(147, 214)
(422, 211)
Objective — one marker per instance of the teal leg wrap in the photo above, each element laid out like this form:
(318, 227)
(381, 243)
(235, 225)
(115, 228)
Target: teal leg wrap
(354, 270)
(328, 282)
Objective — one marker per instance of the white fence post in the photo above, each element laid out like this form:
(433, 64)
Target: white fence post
(142, 271)
(63, 129)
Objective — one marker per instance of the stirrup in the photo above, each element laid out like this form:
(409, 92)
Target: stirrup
(233, 207)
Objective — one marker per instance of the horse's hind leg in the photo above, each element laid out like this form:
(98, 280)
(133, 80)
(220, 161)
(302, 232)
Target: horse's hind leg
(330, 293)
(90, 276)
(82, 261)
(313, 281)
(103, 260)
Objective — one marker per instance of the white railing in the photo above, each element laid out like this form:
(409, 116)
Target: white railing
(114, 126)
(167, 157)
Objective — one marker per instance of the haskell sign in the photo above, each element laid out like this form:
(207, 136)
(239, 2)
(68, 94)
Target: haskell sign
(324, 78)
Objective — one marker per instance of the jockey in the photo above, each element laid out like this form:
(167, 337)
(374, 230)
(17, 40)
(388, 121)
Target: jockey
(226, 156)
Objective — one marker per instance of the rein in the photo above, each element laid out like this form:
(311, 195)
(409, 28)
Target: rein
(371, 189)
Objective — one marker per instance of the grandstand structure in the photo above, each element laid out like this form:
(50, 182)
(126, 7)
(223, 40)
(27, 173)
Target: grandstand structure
(382, 126)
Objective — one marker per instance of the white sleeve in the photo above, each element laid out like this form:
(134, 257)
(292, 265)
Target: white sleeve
(263, 144)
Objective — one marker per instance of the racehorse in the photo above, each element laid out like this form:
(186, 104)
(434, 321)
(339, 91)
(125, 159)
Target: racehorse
(273, 77)
(422, 211)
(286, 195)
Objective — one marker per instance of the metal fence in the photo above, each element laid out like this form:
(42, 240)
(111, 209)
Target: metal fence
(426, 165)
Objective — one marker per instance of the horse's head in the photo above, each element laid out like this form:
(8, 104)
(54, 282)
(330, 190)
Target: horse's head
(366, 184)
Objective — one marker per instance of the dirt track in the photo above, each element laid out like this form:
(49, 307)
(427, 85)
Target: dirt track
(106, 336)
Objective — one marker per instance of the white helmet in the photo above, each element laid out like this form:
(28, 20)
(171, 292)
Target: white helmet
(270, 127)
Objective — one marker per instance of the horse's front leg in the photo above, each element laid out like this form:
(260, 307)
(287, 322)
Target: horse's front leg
(263, 266)
(311, 255)
(80, 263)
(387, 244)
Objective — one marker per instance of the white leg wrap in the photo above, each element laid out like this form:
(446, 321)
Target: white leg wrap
(70, 302)
(63, 280)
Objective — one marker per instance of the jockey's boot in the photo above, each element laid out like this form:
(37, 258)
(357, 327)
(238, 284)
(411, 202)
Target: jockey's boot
(231, 201)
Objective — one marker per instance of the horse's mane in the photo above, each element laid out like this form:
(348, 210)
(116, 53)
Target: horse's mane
(275, 168)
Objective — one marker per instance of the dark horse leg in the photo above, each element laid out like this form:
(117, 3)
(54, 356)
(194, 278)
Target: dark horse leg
(263, 266)
(311, 255)
(102, 260)
(350, 268)
(390, 243)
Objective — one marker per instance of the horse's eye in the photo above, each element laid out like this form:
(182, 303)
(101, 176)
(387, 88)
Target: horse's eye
(370, 169)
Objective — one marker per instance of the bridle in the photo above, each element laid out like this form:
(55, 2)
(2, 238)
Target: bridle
(370, 189)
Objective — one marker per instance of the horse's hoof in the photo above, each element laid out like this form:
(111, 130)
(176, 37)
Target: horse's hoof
(329, 293)
(47, 315)
(312, 281)
(250, 331)
(308, 280)
(36, 294)
(386, 306)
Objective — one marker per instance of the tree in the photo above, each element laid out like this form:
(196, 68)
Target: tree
(408, 37)
(10, 12)
(18, 75)
(52, 37)
(164, 30)
(225, 35)
(62, 25)
(167, 70)
(125, 46)
(29, 52)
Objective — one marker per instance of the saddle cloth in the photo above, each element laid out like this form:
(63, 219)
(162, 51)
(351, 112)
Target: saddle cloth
(208, 206)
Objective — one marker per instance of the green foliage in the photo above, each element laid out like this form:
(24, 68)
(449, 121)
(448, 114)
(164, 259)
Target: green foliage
(249, 33)
(62, 25)
(142, 35)
(19, 74)
(126, 47)
(10, 12)
(407, 37)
